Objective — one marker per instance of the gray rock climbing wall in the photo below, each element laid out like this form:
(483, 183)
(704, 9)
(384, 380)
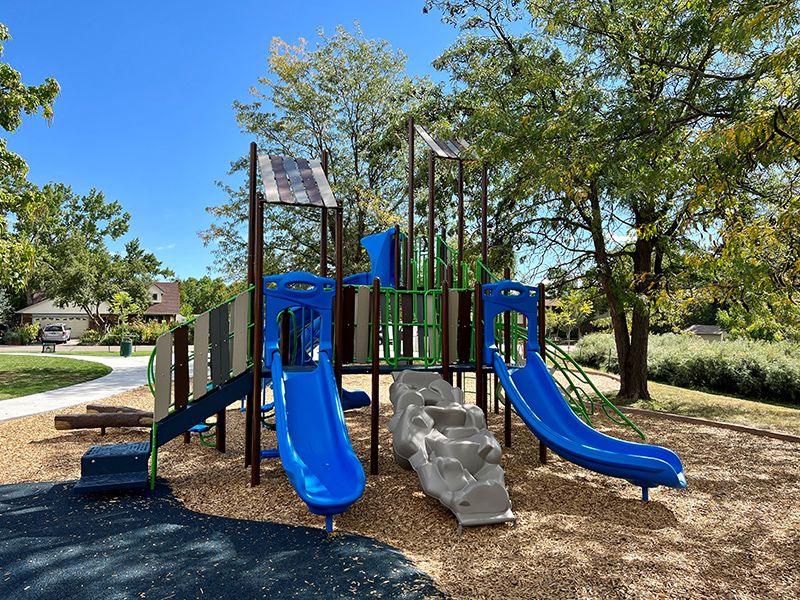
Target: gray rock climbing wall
(446, 442)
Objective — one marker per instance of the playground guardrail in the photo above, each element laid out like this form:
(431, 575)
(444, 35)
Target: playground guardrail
(151, 365)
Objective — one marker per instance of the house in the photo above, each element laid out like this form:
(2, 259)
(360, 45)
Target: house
(165, 298)
(710, 333)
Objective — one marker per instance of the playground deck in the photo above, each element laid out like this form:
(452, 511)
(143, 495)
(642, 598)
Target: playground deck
(734, 532)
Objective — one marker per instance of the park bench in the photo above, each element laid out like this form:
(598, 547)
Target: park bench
(49, 347)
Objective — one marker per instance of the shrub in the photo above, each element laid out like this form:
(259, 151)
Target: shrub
(751, 368)
(91, 337)
(12, 338)
(597, 350)
(21, 334)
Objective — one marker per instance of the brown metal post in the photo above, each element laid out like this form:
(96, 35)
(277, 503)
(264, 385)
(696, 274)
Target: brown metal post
(410, 241)
(541, 330)
(460, 223)
(484, 219)
(507, 353)
(251, 242)
(480, 398)
(339, 320)
(431, 232)
(323, 242)
(258, 341)
(445, 335)
(375, 415)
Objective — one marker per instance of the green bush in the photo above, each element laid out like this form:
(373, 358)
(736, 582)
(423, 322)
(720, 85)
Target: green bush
(139, 332)
(20, 335)
(90, 337)
(751, 368)
(597, 350)
(13, 338)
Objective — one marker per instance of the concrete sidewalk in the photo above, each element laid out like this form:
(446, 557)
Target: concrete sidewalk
(127, 374)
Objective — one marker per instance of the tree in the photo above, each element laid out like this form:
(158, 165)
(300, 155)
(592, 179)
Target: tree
(631, 127)
(348, 96)
(16, 98)
(201, 295)
(570, 312)
(73, 265)
(122, 305)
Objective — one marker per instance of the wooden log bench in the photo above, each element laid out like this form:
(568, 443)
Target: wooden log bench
(49, 347)
(102, 416)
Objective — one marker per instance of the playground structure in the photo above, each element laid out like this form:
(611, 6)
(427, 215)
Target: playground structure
(415, 309)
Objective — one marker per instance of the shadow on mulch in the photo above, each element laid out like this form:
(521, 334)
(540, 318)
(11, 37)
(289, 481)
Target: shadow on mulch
(56, 543)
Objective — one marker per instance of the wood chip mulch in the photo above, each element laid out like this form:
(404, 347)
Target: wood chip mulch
(733, 533)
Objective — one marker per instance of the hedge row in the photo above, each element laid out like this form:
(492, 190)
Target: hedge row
(138, 332)
(755, 369)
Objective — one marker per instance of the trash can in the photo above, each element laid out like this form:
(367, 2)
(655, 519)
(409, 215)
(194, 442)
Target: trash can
(126, 347)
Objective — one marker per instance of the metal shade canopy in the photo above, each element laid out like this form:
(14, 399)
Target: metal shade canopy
(451, 149)
(295, 181)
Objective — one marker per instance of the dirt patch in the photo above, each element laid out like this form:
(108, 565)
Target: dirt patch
(733, 533)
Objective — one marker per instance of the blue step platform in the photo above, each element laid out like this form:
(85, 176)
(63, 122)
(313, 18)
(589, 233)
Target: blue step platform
(114, 467)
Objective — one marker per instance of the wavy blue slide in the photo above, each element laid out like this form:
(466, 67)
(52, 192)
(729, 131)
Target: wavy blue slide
(539, 403)
(313, 441)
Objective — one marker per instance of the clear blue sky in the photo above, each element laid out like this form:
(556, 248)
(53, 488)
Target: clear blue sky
(146, 92)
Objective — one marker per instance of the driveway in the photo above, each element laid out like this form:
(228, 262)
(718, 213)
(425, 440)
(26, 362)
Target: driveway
(127, 373)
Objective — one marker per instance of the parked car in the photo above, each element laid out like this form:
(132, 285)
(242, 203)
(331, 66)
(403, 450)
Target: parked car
(56, 332)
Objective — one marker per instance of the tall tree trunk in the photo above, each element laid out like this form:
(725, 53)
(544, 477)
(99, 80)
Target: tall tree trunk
(631, 344)
(633, 378)
(633, 374)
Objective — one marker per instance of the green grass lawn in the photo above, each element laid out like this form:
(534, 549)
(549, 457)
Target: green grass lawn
(763, 415)
(23, 375)
(114, 352)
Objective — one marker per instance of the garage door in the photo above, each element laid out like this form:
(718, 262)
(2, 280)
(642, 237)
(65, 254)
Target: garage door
(77, 325)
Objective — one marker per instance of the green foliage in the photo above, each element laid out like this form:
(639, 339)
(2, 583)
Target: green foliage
(73, 265)
(122, 305)
(570, 312)
(5, 304)
(348, 96)
(597, 350)
(16, 98)
(139, 332)
(20, 335)
(91, 337)
(201, 295)
(633, 128)
(750, 368)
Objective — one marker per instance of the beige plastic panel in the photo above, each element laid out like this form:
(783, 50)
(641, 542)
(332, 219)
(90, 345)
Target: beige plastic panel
(200, 376)
(163, 376)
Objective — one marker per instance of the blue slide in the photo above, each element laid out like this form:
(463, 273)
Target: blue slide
(539, 403)
(313, 442)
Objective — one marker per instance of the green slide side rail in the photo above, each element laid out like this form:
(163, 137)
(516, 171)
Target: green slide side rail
(579, 391)
(577, 396)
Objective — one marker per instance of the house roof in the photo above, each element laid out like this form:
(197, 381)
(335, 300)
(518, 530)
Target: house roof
(170, 299)
(704, 330)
